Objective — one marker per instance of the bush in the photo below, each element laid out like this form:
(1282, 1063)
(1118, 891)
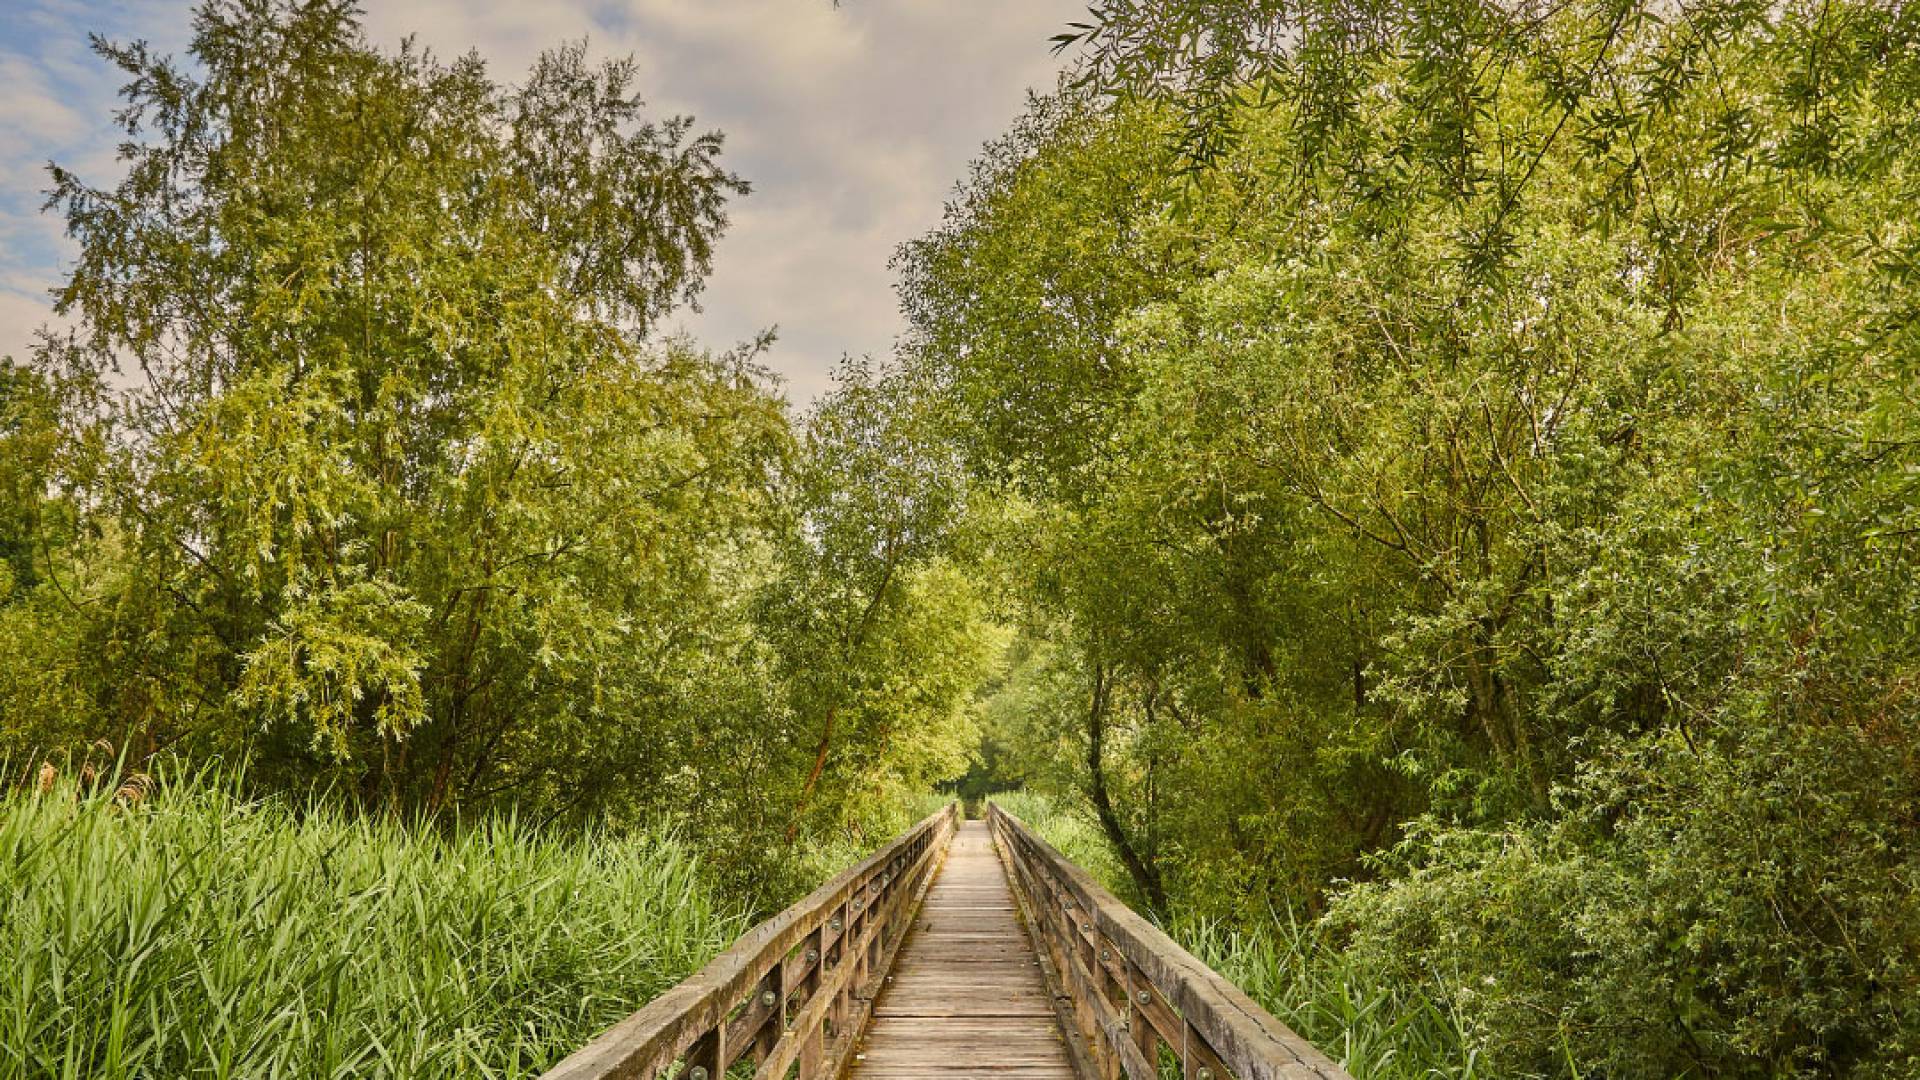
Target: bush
(1071, 831)
(1738, 906)
(1378, 1029)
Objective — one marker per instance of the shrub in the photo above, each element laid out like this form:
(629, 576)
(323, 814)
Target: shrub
(1741, 905)
(1379, 1029)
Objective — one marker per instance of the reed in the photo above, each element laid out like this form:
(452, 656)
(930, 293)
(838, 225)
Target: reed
(1378, 1030)
(172, 927)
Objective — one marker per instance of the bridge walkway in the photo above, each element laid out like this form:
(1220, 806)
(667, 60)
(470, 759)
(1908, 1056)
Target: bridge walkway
(966, 997)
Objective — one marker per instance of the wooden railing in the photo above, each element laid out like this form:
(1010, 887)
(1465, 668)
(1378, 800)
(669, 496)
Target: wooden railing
(794, 990)
(1141, 1002)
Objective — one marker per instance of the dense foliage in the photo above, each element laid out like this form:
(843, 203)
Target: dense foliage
(1433, 485)
(365, 461)
(1373, 1019)
(1468, 453)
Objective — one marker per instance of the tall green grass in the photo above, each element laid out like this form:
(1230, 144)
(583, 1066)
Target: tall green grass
(191, 931)
(1377, 1030)
(1073, 834)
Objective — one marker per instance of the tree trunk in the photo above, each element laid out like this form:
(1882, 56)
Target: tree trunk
(1145, 875)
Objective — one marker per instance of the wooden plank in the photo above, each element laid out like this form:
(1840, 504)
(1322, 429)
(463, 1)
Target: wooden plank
(1251, 1042)
(965, 997)
(646, 1042)
(807, 1044)
(883, 954)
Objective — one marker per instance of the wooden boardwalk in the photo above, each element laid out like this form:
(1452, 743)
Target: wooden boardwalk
(966, 997)
(961, 950)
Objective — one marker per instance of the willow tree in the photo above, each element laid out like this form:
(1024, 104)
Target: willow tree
(405, 484)
(883, 638)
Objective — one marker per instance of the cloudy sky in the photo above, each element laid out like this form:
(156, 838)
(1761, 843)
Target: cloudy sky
(853, 123)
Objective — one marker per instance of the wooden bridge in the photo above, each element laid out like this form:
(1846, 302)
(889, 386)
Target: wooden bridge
(961, 949)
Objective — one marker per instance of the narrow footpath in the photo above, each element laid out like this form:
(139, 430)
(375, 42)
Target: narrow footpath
(966, 998)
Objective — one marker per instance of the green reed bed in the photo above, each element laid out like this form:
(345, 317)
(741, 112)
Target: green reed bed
(180, 929)
(1378, 1030)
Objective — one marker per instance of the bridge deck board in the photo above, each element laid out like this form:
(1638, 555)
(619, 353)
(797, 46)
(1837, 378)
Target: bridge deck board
(966, 998)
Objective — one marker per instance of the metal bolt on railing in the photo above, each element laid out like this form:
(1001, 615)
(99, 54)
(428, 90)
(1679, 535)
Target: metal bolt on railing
(1144, 997)
(835, 923)
(1204, 1074)
(698, 1072)
(1105, 955)
(813, 955)
(767, 999)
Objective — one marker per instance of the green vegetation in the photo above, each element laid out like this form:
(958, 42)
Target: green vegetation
(173, 926)
(1455, 478)
(365, 465)
(1375, 1021)
(1442, 473)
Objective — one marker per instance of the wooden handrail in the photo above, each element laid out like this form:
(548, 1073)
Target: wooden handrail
(1135, 994)
(796, 988)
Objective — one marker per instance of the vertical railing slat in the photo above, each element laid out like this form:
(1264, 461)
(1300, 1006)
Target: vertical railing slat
(792, 991)
(1131, 988)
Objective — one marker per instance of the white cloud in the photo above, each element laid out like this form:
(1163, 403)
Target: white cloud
(852, 123)
(33, 113)
(20, 315)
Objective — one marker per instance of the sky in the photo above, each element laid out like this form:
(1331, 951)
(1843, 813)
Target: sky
(852, 123)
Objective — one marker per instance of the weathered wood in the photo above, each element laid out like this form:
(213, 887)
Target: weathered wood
(966, 998)
(883, 949)
(935, 960)
(1101, 950)
(781, 958)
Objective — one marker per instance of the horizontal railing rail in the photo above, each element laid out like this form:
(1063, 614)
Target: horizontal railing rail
(794, 990)
(1141, 1001)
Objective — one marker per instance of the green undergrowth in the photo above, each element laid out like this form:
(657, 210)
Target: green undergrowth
(804, 865)
(1376, 1029)
(1073, 835)
(175, 927)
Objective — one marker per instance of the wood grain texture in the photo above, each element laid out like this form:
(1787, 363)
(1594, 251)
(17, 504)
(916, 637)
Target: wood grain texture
(709, 1017)
(965, 997)
(1132, 985)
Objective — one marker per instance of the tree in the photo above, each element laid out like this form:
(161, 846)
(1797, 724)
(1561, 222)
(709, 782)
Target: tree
(45, 613)
(408, 493)
(882, 640)
(1500, 499)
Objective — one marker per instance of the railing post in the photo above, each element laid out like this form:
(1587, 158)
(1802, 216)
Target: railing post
(1131, 988)
(1139, 999)
(773, 996)
(811, 1051)
(776, 994)
(843, 929)
(706, 1058)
